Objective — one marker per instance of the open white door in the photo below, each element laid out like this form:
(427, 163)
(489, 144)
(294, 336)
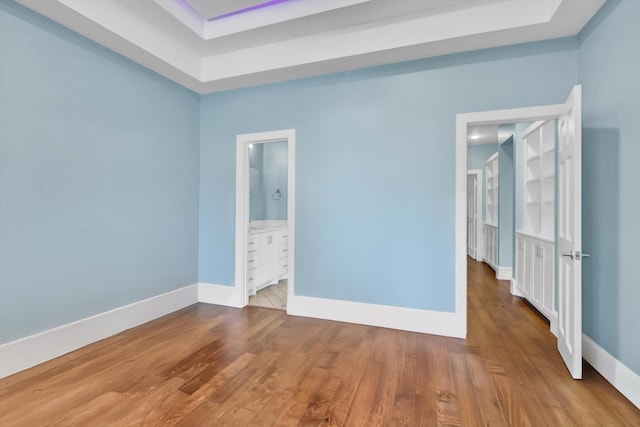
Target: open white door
(570, 233)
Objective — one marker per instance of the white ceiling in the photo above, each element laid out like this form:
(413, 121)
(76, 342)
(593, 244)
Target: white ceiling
(214, 45)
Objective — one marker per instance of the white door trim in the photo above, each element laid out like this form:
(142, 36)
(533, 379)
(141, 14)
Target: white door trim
(242, 204)
(462, 123)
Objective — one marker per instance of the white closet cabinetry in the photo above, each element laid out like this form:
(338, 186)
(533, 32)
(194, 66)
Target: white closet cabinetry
(490, 225)
(267, 258)
(535, 272)
(535, 253)
(491, 173)
(540, 167)
(490, 239)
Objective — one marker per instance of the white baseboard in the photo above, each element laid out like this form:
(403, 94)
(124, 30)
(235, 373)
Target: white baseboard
(490, 264)
(29, 351)
(406, 319)
(515, 289)
(619, 375)
(229, 296)
(553, 323)
(504, 273)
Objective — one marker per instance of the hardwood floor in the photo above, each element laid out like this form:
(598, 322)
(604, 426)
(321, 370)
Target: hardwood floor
(210, 366)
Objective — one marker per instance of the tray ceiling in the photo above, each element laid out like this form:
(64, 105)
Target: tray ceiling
(214, 45)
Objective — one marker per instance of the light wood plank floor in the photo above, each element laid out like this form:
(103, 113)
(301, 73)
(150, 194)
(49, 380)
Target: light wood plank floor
(210, 366)
(274, 296)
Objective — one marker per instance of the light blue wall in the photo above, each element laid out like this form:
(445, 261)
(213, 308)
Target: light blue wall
(506, 199)
(99, 163)
(375, 167)
(476, 156)
(98, 178)
(609, 71)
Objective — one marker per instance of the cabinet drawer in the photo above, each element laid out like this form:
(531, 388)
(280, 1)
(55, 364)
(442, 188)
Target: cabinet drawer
(252, 244)
(284, 239)
(284, 265)
(283, 252)
(252, 260)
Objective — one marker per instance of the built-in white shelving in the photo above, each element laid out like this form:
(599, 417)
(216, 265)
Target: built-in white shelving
(491, 190)
(539, 193)
(535, 275)
(490, 226)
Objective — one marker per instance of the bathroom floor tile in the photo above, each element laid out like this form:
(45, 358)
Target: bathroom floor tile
(274, 296)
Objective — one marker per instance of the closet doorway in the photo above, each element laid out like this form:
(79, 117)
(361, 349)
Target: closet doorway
(567, 248)
(265, 218)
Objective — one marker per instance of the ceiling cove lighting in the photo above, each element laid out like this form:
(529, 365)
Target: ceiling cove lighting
(251, 15)
(248, 9)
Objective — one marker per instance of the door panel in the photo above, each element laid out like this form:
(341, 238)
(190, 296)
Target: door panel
(570, 233)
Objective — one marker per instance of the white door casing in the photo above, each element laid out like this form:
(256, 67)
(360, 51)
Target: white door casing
(241, 292)
(570, 233)
(570, 345)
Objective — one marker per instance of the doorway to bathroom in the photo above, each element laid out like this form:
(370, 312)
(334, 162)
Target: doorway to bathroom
(265, 218)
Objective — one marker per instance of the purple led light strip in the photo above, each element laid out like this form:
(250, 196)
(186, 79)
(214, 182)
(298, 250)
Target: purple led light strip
(248, 9)
(262, 5)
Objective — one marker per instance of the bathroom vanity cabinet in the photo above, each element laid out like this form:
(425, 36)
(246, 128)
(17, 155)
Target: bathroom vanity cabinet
(267, 257)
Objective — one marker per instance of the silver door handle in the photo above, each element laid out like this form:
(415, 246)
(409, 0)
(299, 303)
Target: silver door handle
(568, 254)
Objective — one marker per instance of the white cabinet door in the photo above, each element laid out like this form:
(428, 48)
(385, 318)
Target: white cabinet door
(529, 253)
(272, 256)
(536, 276)
(535, 273)
(548, 277)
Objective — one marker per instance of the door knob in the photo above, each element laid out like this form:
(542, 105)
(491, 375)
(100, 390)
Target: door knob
(568, 254)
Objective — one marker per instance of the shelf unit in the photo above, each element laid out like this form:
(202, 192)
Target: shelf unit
(539, 192)
(535, 246)
(491, 173)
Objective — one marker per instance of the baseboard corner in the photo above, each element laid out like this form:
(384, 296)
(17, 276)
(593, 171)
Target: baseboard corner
(553, 323)
(24, 353)
(515, 289)
(229, 296)
(504, 273)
